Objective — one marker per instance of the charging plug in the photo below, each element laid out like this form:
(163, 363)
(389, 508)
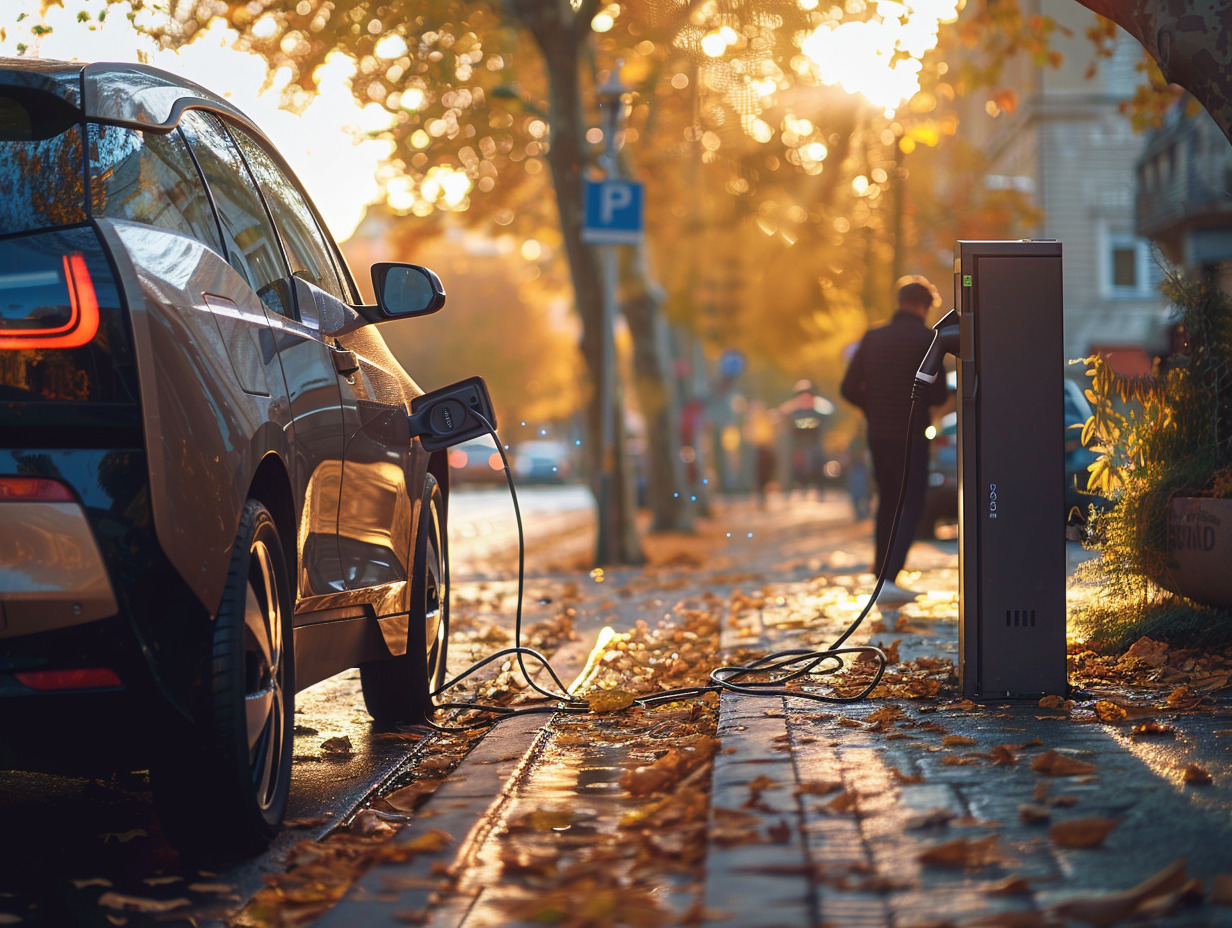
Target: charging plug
(452, 414)
(946, 340)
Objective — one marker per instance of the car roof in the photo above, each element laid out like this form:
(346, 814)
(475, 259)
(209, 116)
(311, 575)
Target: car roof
(118, 92)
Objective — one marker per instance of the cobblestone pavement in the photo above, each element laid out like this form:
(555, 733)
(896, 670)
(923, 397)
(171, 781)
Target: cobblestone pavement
(893, 812)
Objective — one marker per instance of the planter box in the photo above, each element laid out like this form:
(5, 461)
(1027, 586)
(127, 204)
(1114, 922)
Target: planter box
(1200, 549)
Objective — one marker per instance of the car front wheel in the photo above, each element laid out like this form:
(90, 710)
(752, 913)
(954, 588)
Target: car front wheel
(399, 689)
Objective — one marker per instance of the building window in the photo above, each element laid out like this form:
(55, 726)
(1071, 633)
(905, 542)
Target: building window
(1130, 270)
(1124, 268)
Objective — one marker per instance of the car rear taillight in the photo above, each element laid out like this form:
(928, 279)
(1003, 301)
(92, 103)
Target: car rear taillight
(50, 322)
(79, 678)
(33, 490)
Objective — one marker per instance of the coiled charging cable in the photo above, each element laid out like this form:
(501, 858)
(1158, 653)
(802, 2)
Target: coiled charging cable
(769, 675)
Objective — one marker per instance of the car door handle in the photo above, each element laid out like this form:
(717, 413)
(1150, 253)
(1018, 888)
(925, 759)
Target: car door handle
(345, 362)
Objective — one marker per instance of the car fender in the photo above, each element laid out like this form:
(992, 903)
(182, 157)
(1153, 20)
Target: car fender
(213, 402)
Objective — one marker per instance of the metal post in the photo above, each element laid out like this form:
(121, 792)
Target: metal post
(609, 527)
(612, 101)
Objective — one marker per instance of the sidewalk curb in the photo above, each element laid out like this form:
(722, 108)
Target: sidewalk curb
(465, 807)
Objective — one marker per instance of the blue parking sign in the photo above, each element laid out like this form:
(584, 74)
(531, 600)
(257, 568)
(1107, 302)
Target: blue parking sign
(613, 213)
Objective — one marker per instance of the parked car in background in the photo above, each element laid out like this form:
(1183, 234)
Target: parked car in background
(941, 497)
(208, 494)
(543, 461)
(476, 462)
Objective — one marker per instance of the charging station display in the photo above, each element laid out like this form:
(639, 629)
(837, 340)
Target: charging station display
(1011, 470)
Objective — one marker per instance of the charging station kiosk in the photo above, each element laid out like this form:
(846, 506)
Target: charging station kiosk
(1011, 469)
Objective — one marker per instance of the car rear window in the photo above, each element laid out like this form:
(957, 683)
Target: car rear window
(149, 177)
(42, 166)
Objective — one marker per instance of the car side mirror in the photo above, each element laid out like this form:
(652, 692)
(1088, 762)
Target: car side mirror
(452, 414)
(406, 290)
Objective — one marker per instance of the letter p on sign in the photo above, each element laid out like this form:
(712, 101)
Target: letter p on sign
(613, 213)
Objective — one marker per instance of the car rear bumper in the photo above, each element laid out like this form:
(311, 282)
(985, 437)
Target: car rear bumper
(51, 572)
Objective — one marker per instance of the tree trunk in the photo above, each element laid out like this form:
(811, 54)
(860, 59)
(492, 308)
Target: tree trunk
(560, 32)
(1189, 42)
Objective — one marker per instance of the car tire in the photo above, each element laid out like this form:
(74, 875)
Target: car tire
(399, 689)
(223, 791)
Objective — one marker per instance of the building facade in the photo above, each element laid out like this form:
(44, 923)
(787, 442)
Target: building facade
(1067, 145)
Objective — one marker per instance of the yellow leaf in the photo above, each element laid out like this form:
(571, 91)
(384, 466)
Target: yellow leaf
(609, 700)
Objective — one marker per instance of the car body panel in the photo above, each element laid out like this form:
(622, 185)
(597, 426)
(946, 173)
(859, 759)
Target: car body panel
(204, 435)
(51, 573)
(143, 97)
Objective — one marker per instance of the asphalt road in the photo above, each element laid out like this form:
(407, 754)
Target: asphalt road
(65, 842)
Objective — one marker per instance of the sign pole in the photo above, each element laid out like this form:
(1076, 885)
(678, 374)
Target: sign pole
(609, 528)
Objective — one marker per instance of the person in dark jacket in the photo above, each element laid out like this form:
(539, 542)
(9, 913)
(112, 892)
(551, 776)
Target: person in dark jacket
(879, 381)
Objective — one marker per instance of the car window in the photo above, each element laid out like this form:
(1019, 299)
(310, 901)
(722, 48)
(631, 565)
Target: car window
(306, 248)
(149, 177)
(252, 244)
(42, 181)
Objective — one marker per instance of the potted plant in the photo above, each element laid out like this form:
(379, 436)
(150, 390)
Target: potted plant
(1165, 446)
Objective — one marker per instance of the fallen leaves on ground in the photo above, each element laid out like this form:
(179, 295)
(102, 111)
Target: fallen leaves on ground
(1055, 764)
(1082, 832)
(1149, 663)
(612, 700)
(1221, 889)
(337, 747)
(1010, 886)
(818, 787)
(1108, 909)
(660, 756)
(1153, 729)
(126, 903)
(1057, 703)
(588, 898)
(1034, 815)
(950, 741)
(963, 853)
(1196, 775)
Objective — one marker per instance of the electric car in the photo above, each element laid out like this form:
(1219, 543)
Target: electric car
(209, 497)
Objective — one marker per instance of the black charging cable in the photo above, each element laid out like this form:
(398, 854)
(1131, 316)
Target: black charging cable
(769, 675)
(560, 700)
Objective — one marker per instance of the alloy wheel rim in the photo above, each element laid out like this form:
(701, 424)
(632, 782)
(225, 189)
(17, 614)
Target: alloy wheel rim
(264, 704)
(434, 586)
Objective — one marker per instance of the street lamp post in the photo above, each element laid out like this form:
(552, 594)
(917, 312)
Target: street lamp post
(613, 99)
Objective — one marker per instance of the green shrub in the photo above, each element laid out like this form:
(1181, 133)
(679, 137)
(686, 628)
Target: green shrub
(1160, 435)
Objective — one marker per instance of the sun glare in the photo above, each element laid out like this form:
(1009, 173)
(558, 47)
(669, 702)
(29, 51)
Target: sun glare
(879, 57)
(337, 164)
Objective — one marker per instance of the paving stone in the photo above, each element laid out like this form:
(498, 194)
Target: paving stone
(757, 885)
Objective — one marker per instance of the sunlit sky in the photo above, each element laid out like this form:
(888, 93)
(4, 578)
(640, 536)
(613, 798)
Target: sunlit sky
(861, 57)
(338, 174)
(868, 47)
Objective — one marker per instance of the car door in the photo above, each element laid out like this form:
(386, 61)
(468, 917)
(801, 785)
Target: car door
(375, 509)
(317, 425)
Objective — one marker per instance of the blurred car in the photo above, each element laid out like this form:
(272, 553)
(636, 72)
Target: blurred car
(476, 462)
(941, 497)
(542, 462)
(941, 494)
(208, 496)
